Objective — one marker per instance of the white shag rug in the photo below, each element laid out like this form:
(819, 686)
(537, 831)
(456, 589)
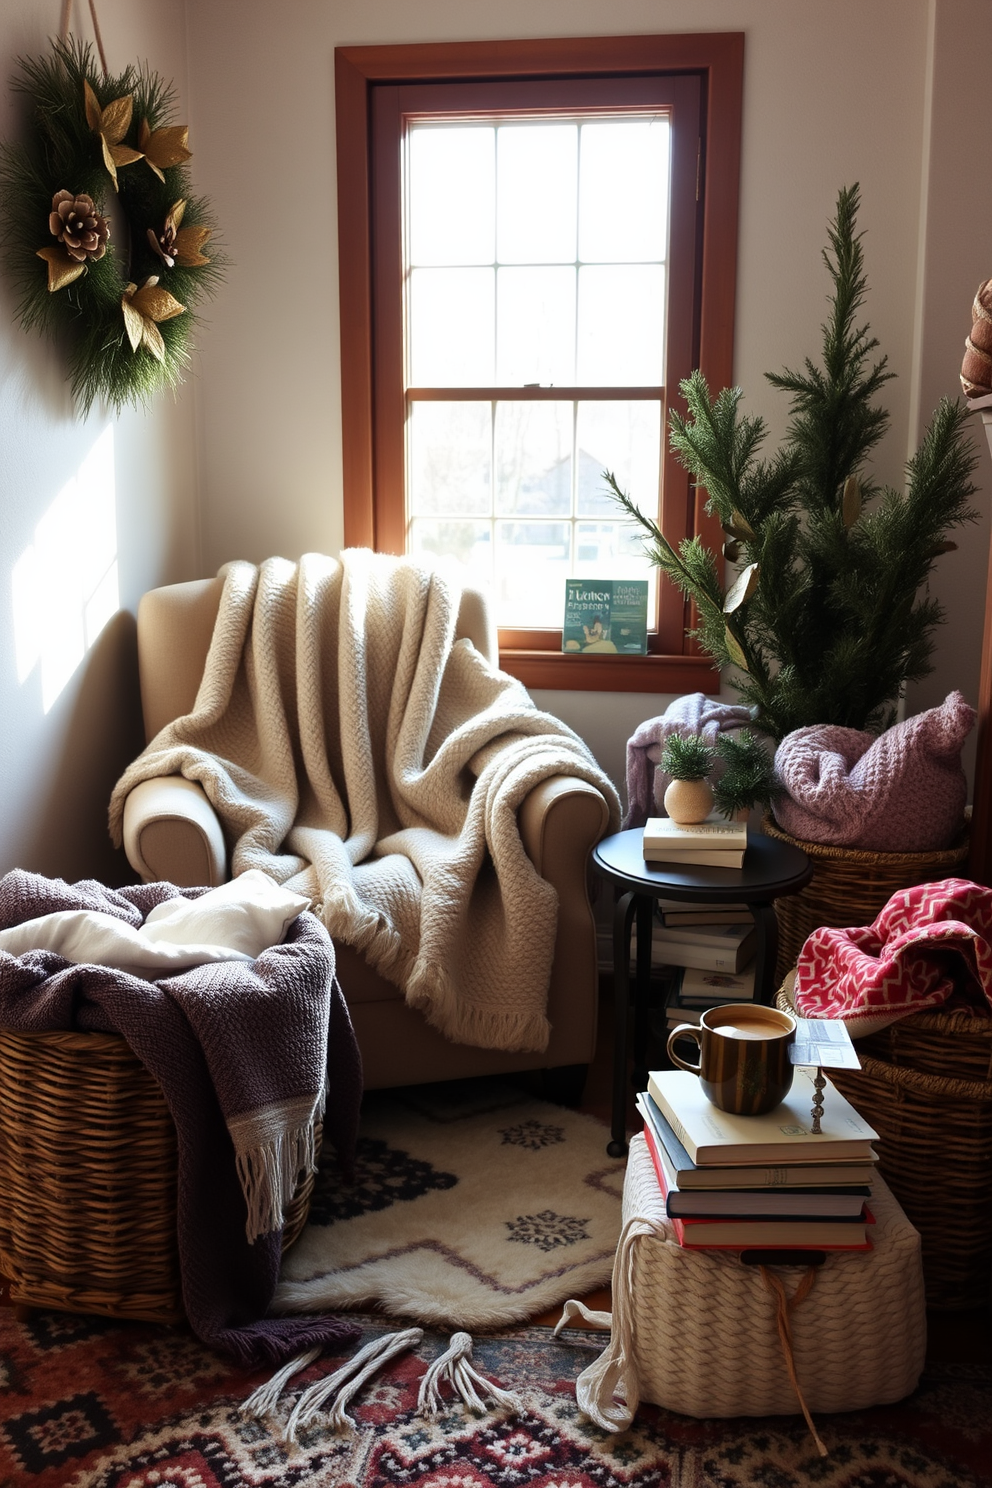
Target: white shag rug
(474, 1205)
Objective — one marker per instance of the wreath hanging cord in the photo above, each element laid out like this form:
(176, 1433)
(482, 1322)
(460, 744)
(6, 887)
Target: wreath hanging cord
(124, 310)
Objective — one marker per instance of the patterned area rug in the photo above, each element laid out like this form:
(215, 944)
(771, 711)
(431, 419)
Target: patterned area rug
(90, 1403)
(474, 1205)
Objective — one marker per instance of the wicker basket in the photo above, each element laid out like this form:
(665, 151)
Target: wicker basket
(88, 1179)
(925, 1085)
(850, 886)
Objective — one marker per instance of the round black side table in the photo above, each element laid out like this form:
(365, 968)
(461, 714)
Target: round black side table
(770, 870)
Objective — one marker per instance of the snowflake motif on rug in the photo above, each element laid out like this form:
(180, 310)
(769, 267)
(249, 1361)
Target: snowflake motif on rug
(547, 1230)
(383, 1176)
(533, 1135)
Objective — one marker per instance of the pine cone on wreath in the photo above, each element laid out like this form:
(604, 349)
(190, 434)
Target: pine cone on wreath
(77, 224)
(976, 368)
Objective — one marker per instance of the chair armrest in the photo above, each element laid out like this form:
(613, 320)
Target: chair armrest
(172, 834)
(560, 822)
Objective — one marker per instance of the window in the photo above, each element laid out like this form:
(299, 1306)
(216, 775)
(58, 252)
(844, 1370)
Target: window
(537, 243)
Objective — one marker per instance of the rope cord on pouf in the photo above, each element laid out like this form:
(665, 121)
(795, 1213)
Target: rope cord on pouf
(784, 1306)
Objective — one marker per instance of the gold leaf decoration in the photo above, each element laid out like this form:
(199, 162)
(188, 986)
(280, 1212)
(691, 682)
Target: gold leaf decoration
(740, 527)
(62, 269)
(851, 501)
(111, 124)
(179, 245)
(734, 649)
(164, 147)
(143, 308)
(742, 588)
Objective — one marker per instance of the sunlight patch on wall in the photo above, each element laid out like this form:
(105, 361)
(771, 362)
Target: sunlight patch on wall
(65, 586)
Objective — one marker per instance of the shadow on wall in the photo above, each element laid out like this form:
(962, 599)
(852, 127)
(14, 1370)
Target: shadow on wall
(102, 734)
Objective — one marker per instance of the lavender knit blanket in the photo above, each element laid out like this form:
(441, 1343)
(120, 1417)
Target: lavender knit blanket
(903, 791)
(240, 1050)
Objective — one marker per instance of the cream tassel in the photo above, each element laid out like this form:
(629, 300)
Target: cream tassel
(454, 1365)
(362, 1365)
(265, 1397)
(589, 1318)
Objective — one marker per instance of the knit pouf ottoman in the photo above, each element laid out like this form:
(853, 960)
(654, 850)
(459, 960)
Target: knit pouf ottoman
(702, 1333)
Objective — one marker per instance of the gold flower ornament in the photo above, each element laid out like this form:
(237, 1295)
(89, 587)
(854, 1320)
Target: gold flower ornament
(144, 309)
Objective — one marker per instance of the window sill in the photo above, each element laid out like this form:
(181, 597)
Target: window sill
(563, 673)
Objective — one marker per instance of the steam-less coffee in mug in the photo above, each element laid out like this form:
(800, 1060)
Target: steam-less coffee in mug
(744, 1064)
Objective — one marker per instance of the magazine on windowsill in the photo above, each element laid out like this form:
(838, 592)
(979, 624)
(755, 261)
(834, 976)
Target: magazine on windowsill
(606, 616)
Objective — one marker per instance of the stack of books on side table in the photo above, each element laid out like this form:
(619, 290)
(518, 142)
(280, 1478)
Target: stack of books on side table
(760, 1183)
(713, 843)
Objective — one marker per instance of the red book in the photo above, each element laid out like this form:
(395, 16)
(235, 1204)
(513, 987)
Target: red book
(762, 1234)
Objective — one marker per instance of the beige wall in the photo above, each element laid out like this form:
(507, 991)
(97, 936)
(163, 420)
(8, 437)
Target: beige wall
(60, 754)
(834, 92)
(880, 91)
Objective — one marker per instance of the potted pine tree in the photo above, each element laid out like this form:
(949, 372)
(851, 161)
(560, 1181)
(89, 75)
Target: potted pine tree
(826, 616)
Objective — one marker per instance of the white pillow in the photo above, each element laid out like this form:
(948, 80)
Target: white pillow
(247, 914)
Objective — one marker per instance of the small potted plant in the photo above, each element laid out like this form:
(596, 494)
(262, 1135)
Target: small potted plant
(689, 795)
(748, 778)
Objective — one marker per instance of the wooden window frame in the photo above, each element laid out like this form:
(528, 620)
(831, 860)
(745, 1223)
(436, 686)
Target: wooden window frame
(675, 665)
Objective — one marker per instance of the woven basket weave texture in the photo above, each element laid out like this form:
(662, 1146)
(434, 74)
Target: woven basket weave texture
(88, 1178)
(925, 1085)
(705, 1338)
(850, 886)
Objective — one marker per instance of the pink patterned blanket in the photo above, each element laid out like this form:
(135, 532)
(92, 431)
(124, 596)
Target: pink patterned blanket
(931, 946)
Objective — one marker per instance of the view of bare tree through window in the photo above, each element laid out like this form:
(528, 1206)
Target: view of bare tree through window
(535, 295)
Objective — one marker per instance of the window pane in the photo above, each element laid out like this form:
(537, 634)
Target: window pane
(624, 438)
(451, 459)
(452, 327)
(623, 191)
(621, 325)
(535, 326)
(536, 187)
(612, 550)
(534, 459)
(470, 542)
(532, 563)
(452, 195)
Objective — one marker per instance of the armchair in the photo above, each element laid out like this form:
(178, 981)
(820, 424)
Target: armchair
(172, 832)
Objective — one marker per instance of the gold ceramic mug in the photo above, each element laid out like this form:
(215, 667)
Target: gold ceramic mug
(744, 1065)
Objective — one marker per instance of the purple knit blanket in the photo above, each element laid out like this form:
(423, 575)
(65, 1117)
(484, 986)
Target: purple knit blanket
(236, 1047)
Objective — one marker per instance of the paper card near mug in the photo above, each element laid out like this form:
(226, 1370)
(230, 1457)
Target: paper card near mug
(744, 1065)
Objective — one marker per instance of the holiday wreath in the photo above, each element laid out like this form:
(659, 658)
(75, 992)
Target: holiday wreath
(118, 290)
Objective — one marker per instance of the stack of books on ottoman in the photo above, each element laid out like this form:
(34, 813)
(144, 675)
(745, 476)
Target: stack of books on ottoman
(760, 1183)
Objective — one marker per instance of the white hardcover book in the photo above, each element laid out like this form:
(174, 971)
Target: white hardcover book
(713, 833)
(706, 948)
(694, 857)
(717, 986)
(710, 1135)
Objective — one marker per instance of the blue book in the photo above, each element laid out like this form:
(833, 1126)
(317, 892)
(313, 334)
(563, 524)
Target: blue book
(852, 1179)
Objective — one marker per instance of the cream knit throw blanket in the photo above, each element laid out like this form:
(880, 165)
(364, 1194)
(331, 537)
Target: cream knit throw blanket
(358, 753)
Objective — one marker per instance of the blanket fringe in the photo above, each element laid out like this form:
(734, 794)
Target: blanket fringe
(269, 1174)
(264, 1399)
(455, 1366)
(348, 1380)
(431, 990)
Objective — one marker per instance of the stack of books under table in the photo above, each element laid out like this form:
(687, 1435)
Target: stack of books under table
(710, 952)
(710, 946)
(760, 1183)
